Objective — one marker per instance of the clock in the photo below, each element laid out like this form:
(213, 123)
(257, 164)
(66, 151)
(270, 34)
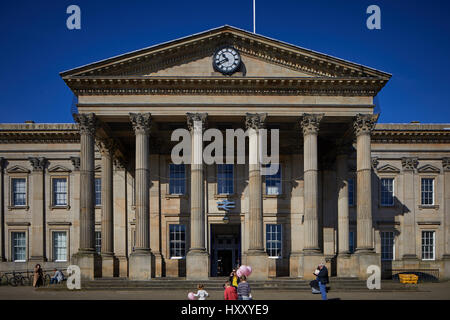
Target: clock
(226, 60)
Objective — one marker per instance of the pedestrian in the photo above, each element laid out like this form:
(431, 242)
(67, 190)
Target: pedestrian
(322, 278)
(38, 276)
(201, 293)
(230, 292)
(58, 277)
(243, 289)
(234, 279)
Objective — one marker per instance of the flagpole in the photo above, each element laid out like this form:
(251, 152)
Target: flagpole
(254, 16)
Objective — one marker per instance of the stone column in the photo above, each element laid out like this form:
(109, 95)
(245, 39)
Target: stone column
(197, 259)
(38, 210)
(85, 258)
(2, 211)
(296, 214)
(446, 210)
(155, 210)
(107, 149)
(140, 259)
(120, 216)
(311, 250)
(75, 204)
(408, 226)
(256, 256)
(363, 125)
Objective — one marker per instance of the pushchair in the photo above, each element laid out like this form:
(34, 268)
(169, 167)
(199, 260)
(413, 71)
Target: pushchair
(314, 286)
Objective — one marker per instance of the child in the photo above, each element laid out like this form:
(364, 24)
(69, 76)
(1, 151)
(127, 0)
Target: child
(230, 292)
(201, 293)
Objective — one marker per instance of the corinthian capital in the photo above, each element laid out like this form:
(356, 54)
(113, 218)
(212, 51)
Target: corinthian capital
(141, 122)
(107, 146)
(193, 118)
(255, 120)
(409, 164)
(87, 121)
(38, 163)
(310, 122)
(364, 123)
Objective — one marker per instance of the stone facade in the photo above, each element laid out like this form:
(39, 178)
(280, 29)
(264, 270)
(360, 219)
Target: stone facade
(351, 192)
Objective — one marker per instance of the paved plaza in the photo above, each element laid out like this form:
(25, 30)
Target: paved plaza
(426, 291)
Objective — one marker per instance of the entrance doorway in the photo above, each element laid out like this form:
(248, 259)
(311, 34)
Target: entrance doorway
(225, 248)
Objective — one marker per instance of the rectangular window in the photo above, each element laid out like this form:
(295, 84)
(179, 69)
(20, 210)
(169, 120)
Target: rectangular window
(19, 246)
(427, 191)
(98, 191)
(60, 246)
(59, 191)
(428, 249)
(225, 184)
(351, 192)
(177, 178)
(387, 191)
(273, 240)
(387, 245)
(351, 242)
(273, 183)
(98, 242)
(19, 189)
(177, 240)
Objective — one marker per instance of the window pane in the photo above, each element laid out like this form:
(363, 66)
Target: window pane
(177, 178)
(19, 191)
(273, 240)
(225, 183)
(60, 192)
(351, 192)
(177, 240)
(387, 245)
(98, 191)
(351, 240)
(60, 246)
(273, 182)
(19, 246)
(387, 192)
(98, 241)
(427, 187)
(428, 249)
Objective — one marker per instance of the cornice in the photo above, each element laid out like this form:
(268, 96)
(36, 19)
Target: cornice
(71, 136)
(153, 85)
(410, 136)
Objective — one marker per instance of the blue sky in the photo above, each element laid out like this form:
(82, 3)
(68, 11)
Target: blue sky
(412, 45)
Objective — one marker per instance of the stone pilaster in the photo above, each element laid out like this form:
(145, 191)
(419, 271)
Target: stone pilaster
(256, 256)
(38, 209)
(296, 217)
(107, 149)
(140, 259)
(120, 217)
(197, 259)
(363, 126)
(75, 204)
(86, 256)
(2, 210)
(408, 225)
(446, 210)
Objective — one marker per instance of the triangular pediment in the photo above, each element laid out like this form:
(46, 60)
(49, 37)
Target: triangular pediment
(387, 168)
(18, 169)
(58, 168)
(191, 56)
(428, 168)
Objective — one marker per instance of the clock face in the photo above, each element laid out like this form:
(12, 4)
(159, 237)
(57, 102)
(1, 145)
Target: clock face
(226, 60)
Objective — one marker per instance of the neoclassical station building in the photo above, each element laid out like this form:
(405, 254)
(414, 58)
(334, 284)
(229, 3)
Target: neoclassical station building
(105, 194)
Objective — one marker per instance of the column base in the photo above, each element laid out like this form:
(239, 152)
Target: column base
(347, 265)
(258, 261)
(122, 262)
(295, 265)
(140, 266)
(108, 265)
(311, 260)
(446, 267)
(366, 259)
(157, 266)
(197, 265)
(88, 262)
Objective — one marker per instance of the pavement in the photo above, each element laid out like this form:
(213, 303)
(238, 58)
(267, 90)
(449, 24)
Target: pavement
(425, 291)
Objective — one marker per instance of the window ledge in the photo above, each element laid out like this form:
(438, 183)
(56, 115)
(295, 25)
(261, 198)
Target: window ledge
(225, 196)
(177, 196)
(387, 206)
(177, 258)
(274, 196)
(429, 206)
(66, 207)
(18, 208)
(275, 258)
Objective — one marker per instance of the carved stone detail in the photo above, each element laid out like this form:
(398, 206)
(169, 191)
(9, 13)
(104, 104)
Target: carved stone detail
(119, 164)
(38, 163)
(107, 146)
(364, 123)
(446, 164)
(409, 164)
(75, 163)
(310, 122)
(375, 163)
(194, 117)
(255, 120)
(141, 122)
(88, 123)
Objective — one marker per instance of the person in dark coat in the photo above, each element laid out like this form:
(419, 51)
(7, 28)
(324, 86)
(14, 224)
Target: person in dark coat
(322, 278)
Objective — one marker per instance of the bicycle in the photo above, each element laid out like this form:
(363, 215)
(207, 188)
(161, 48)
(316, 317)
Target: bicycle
(4, 279)
(18, 278)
